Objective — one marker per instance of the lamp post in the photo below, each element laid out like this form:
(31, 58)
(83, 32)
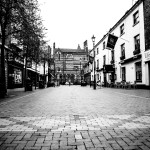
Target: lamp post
(93, 40)
(80, 69)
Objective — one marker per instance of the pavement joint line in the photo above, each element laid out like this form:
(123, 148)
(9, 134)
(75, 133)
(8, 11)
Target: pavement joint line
(132, 95)
(4, 103)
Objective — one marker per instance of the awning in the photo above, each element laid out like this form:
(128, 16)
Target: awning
(33, 70)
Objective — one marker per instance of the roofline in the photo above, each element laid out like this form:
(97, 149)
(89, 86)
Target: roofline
(128, 12)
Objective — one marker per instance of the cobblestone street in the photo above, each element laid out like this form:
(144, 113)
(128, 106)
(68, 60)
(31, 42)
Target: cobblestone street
(75, 117)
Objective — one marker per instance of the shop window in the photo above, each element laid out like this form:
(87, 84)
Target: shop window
(17, 76)
(136, 17)
(138, 70)
(123, 74)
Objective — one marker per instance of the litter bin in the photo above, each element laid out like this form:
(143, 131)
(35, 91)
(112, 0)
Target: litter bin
(28, 84)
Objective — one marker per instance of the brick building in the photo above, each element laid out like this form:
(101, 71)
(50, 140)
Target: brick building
(68, 64)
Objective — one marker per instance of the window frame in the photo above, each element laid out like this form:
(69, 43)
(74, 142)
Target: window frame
(138, 71)
(97, 50)
(104, 45)
(97, 63)
(104, 59)
(136, 17)
(137, 42)
(123, 73)
(122, 46)
(122, 29)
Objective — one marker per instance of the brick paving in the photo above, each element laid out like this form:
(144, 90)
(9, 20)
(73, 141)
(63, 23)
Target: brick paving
(82, 119)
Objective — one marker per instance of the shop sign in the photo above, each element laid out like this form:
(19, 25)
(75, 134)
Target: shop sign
(108, 69)
(147, 56)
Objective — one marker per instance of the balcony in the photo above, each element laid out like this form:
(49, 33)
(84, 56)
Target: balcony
(137, 51)
(122, 57)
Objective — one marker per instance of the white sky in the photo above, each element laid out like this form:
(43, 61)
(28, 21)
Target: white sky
(71, 22)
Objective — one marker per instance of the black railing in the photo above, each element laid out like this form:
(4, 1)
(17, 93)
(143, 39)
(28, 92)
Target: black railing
(122, 57)
(137, 51)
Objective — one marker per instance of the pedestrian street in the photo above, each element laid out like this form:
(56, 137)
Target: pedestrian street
(101, 130)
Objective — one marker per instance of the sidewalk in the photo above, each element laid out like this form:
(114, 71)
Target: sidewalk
(17, 92)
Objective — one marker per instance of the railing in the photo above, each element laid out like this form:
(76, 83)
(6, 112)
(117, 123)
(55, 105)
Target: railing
(137, 51)
(122, 57)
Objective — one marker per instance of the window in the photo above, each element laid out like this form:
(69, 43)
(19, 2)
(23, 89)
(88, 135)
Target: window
(98, 64)
(104, 60)
(112, 55)
(121, 29)
(59, 56)
(138, 70)
(103, 45)
(137, 42)
(97, 50)
(123, 74)
(136, 18)
(123, 50)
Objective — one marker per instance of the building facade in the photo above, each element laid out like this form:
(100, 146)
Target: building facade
(129, 60)
(68, 64)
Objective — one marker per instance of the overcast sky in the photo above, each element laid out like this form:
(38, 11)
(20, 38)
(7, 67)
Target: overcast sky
(71, 22)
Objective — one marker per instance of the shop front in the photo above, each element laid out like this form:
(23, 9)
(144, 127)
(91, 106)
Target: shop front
(15, 71)
(108, 70)
(147, 66)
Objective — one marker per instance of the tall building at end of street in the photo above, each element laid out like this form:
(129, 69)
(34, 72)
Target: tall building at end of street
(68, 64)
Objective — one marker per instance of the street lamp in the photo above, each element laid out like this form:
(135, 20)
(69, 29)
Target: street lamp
(93, 40)
(80, 69)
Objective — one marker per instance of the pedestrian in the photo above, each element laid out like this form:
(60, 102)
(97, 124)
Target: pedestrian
(69, 82)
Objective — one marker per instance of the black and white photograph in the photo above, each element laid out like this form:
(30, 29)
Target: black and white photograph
(74, 75)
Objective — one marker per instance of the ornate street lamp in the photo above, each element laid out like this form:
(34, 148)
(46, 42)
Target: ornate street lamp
(93, 40)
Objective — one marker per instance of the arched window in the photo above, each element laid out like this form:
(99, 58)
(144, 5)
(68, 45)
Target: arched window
(58, 55)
